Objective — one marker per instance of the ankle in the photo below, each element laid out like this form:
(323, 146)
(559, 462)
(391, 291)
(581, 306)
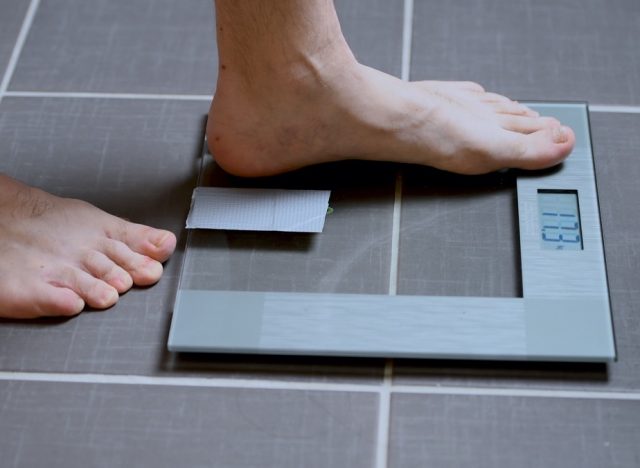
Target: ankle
(293, 69)
(257, 38)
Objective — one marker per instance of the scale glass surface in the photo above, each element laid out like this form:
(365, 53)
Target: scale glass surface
(563, 315)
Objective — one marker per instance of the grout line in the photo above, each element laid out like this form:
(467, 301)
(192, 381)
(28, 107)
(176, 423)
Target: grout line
(395, 236)
(407, 36)
(384, 416)
(17, 48)
(615, 109)
(384, 396)
(205, 382)
(175, 97)
(516, 392)
(407, 32)
(387, 386)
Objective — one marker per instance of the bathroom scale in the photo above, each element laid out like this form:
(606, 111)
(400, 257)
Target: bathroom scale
(564, 313)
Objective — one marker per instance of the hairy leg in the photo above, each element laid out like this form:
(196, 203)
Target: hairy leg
(290, 93)
(58, 255)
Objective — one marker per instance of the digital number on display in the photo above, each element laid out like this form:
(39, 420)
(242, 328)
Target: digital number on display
(560, 225)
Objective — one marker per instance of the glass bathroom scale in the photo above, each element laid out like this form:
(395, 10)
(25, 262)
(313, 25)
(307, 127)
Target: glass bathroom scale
(563, 315)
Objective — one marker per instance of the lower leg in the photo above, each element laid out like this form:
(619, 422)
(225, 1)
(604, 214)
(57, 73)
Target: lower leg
(290, 93)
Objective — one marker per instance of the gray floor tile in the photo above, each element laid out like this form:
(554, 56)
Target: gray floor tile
(141, 46)
(65, 425)
(616, 142)
(128, 158)
(615, 139)
(458, 235)
(530, 49)
(373, 29)
(494, 432)
(149, 46)
(13, 12)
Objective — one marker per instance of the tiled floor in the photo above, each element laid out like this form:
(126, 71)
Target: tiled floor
(105, 100)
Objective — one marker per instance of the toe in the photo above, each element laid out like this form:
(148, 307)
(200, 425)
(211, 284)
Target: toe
(450, 85)
(55, 301)
(512, 108)
(143, 270)
(102, 267)
(470, 86)
(504, 105)
(40, 299)
(495, 97)
(95, 293)
(157, 244)
(525, 124)
(542, 149)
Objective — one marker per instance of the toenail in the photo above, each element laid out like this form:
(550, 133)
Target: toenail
(560, 134)
(161, 240)
(122, 282)
(79, 305)
(110, 297)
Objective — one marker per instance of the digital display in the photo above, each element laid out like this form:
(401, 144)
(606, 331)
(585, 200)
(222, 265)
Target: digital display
(559, 220)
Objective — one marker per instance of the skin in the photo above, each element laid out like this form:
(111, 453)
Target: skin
(290, 93)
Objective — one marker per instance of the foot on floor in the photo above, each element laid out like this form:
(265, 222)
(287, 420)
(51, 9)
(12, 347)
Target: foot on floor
(59, 255)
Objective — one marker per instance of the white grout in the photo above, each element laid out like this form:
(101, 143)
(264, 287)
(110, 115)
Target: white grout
(17, 48)
(407, 36)
(515, 392)
(384, 389)
(204, 382)
(395, 236)
(407, 32)
(384, 396)
(384, 416)
(615, 109)
(88, 95)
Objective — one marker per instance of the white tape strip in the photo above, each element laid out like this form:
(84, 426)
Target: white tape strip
(250, 209)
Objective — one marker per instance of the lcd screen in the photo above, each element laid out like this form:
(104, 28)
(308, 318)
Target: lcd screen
(560, 227)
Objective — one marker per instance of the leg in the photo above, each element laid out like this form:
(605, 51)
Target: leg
(290, 93)
(60, 254)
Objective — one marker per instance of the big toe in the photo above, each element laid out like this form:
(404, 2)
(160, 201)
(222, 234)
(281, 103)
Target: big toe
(157, 244)
(539, 150)
(39, 299)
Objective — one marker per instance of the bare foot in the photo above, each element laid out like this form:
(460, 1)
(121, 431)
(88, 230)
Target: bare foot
(315, 113)
(290, 93)
(59, 255)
